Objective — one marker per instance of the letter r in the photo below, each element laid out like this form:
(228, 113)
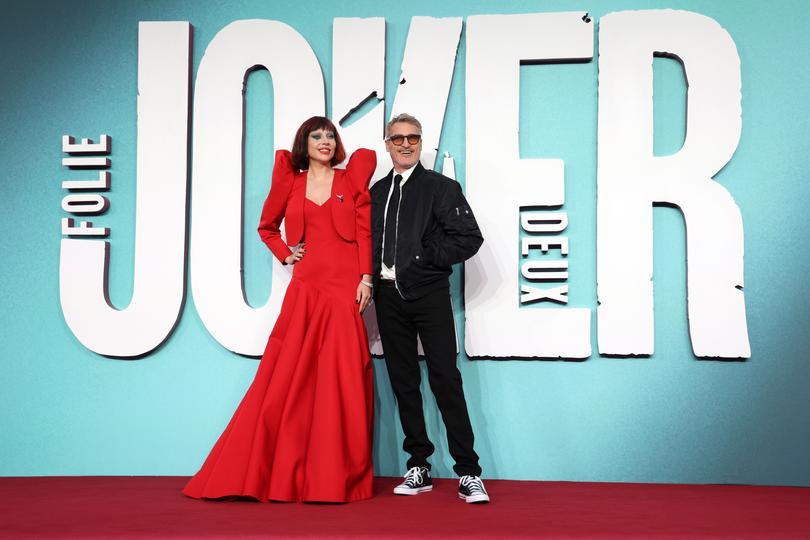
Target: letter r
(630, 179)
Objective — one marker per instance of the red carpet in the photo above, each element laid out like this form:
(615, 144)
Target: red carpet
(152, 507)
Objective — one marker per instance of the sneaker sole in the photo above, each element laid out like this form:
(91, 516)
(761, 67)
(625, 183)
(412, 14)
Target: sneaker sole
(472, 499)
(412, 491)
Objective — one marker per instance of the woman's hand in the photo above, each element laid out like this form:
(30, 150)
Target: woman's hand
(296, 255)
(364, 292)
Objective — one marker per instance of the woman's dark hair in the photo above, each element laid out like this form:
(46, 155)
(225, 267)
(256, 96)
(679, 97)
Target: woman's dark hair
(300, 153)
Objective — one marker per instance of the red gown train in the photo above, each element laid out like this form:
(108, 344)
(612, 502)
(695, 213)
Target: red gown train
(303, 431)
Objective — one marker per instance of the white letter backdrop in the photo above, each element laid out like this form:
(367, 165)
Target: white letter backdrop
(160, 236)
(631, 179)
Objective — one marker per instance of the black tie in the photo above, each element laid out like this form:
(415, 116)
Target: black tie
(391, 224)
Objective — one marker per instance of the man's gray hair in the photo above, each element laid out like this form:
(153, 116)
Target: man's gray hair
(406, 118)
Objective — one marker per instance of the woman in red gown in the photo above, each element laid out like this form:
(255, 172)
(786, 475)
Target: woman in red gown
(303, 431)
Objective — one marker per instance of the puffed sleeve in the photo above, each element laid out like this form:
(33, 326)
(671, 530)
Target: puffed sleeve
(359, 170)
(276, 204)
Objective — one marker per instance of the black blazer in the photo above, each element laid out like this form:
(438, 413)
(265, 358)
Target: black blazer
(437, 229)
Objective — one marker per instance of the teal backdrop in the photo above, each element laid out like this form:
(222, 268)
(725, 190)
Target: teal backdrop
(71, 68)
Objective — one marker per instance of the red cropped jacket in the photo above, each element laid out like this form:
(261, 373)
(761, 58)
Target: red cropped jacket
(351, 211)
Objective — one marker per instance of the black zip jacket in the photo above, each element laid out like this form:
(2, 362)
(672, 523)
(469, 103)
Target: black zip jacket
(437, 229)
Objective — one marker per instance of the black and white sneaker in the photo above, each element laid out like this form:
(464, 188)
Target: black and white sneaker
(472, 490)
(417, 480)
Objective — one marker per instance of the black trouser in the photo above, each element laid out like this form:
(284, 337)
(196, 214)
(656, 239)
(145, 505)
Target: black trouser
(432, 318)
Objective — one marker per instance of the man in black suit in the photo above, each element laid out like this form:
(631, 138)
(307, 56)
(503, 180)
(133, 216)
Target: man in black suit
(421, 225)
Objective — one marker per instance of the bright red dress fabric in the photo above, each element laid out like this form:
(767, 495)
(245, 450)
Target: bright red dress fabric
(303, 431)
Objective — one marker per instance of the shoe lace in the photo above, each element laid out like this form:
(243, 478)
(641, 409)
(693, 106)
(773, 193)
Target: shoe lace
(473, 484)
(413, 476)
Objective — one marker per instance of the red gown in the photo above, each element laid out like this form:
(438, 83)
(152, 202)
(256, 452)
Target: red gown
(303, 431)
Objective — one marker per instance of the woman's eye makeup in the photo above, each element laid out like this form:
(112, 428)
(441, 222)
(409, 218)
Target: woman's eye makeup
(317, 136)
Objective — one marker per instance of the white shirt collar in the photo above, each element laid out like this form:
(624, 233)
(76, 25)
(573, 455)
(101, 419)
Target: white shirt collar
(405, 174)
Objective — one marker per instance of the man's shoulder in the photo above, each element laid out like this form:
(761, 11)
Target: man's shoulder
(438, 183)
(381, 184)
(435, 179)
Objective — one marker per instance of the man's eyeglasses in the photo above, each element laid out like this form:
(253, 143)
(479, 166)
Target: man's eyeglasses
(397, 140)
